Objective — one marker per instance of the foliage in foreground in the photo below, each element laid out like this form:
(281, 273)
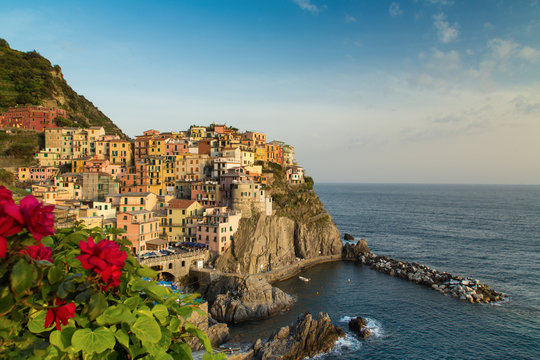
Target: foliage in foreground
(75, 294)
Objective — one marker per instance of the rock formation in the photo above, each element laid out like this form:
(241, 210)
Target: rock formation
(352, 252)
(246, 298)
(306, 338)
(265, 243)
(358, 325)
(348, 237)
(457, 286)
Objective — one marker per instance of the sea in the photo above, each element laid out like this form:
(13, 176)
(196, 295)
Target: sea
(488, 232)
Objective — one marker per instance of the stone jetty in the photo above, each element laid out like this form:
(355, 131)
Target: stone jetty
(463, 288)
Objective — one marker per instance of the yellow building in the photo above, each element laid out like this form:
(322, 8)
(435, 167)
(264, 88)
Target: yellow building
(197, 132)
(121, 152)
(260, 153)
(182, 219)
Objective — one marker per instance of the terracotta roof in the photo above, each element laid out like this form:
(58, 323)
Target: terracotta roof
(180, 203)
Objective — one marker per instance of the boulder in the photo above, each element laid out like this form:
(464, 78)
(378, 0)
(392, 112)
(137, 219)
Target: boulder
(249, 298)
(306, 338)
(358, 326)
(353, 252)
(348, 237)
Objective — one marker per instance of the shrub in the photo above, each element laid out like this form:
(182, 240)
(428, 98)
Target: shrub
(75, 294)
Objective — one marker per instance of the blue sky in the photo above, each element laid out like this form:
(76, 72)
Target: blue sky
(421, 91)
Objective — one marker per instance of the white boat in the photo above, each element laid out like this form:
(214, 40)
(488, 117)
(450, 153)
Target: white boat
(303, 278)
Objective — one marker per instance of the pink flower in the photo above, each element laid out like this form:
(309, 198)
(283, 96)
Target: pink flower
(38, 252)
(60, 314)
(11, 221)
(38, 219)
(3, 247)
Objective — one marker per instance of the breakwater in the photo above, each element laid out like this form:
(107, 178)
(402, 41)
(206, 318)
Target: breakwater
(464, 288)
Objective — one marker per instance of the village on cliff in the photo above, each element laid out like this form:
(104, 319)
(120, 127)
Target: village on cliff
(164, 190)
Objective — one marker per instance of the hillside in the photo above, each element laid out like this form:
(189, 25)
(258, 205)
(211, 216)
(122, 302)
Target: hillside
(27, 78)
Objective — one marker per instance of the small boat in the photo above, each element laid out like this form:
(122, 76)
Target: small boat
(303, 278)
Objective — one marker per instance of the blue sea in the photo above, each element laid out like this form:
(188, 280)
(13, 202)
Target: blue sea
(488, 232)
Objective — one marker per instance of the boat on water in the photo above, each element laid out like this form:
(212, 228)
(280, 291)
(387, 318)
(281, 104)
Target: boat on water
(304, 278)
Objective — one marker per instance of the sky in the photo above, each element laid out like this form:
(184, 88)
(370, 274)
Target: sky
(420, 91)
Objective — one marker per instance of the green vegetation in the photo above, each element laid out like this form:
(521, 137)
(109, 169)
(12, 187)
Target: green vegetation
(27, 78)
(297, 202)
(18, 147)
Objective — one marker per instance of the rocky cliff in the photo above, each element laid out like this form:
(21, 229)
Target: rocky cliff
(299, 227)
(236, 299)
(306, 338)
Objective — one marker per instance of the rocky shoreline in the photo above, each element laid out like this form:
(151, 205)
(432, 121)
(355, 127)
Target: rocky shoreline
(464, 288)
(307, 337)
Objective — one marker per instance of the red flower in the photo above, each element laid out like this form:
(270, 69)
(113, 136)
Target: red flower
(111, 277)
(5, 195)
(38, 252)
(60, 314)
(105, 258)
(11, 221)
(38, 219)
(3, 247)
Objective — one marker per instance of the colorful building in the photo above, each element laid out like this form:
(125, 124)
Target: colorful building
(31, 117)
(217, 228)
(139, 227)
(182, 219)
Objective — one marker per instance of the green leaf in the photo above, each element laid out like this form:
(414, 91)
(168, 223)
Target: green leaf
(97, 305)
(203, 338)
(174, 324)
(161, 313)
(55, 274)
(62, 339)
(183, 349)
(6, 300)
(147, 329)
(96, 341)
(145, 271)
(122, 337)
(162, 345)
(21, 276)
(115, 314)
(37, 322)
(84, 296)
(133, 302)
(163, 356)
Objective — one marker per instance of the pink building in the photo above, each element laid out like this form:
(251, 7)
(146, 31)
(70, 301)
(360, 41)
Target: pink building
(218, 227)
(208, 193)
(139, 227)
(37, 174)
(175, 146)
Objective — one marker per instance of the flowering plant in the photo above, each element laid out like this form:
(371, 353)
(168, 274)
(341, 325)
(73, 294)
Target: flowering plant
(77, 294)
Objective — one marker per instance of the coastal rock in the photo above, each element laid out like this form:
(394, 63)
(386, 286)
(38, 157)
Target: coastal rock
(264, 243)
(306, 338)
(348, 237)
(457, 286)
(248, 298)
(352, 252)
(358, 325)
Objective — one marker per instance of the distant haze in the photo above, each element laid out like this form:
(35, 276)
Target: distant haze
(422, 91)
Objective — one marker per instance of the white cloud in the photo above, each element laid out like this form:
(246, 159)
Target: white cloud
(394, 9)
(306, 5)
(445, 61)
(446, 32)
(530, 54)
(349, 19)
(502, 49)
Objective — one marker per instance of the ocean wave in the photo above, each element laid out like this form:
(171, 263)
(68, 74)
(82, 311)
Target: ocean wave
(345, 345)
